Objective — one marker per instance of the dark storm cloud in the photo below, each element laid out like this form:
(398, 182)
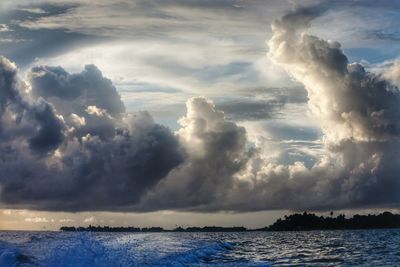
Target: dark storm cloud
(95, 174)
(69, 146)
(87, 95)
(55, 83)
(50, 129)
(8, 81)
(43, 128)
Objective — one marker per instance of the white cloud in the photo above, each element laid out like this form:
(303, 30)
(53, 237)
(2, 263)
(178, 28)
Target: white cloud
(100, 112)
(37, 220)
(32, 10)
(76, 120)
(4, 28)
(90, 219)
(7, 212)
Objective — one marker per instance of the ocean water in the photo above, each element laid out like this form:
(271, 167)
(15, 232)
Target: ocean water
(308, 248)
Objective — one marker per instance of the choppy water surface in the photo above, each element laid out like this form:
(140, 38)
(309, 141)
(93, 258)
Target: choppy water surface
(315, 248)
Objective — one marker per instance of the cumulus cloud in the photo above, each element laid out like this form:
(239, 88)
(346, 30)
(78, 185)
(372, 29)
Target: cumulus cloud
(215, 151)
(358, 111)
(68, 91)
(68, 145)
(392, 72)
(359, 115)
(34, 122)
(358, 103)
(222, 172)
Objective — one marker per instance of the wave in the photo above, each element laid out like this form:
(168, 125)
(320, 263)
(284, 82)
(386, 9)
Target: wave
(87, 251)
(119, 250)
(13, 258)
(328, 248)
(206, 254)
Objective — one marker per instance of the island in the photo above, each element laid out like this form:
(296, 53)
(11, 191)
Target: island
(295, 222)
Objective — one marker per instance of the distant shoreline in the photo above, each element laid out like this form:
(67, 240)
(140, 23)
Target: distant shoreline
(295, 222)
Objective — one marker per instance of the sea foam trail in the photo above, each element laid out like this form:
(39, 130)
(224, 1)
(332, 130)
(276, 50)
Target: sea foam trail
(98, 250)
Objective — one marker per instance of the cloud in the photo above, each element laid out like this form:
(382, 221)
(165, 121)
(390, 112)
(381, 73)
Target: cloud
(21, 117)
(250, 109)
(163, 17)
(37, 220)
(359, 115)
(383, 35)
(284, 131)
(96, 157)
(32, 10)
(358, 111)
(391, 72)
(68, 145)
(221, 172)
(260, 103)
(145, 41)
(4, 28)
(7, 212)
(358, 103)
(90, 219)
(215, 151)
(58, 85)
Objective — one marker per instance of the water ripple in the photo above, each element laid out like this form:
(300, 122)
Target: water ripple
(308, 248)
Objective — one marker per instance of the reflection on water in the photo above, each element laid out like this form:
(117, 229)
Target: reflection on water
(314, 248)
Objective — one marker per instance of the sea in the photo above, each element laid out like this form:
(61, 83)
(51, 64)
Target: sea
(302, 248)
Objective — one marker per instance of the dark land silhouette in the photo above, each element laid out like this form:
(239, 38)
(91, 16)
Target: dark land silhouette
(91, 228)
(310, 221)
(295, 222)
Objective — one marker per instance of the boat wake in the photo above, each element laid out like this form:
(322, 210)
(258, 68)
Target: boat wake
(90, 249)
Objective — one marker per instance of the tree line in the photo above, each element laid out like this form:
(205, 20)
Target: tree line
(295, 222)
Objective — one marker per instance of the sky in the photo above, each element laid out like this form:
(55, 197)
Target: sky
(213, 112)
